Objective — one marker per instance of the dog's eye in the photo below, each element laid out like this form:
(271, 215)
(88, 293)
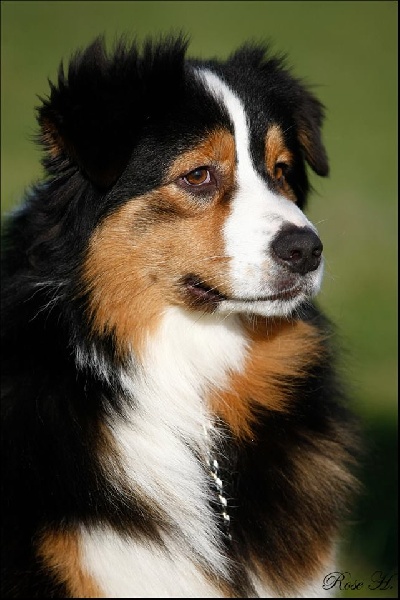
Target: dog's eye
(280, 172)
(198, 177)
(200, 182)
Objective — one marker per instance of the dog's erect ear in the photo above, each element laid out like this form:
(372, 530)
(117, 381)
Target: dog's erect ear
(309, 114)
(97, 111)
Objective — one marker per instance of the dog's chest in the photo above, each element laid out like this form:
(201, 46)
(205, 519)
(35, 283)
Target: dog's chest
(163, 447)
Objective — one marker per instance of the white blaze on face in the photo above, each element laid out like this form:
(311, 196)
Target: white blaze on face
(256, 216)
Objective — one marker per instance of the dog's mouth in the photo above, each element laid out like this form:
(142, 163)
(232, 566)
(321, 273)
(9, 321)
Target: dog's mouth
(203, 295)
(200, 293)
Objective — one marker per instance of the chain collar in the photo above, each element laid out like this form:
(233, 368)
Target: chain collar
(214, 471)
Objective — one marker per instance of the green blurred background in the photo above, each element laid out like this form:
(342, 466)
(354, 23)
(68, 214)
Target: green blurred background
(349, 51)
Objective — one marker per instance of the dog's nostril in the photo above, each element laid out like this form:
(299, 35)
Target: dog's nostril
(317, 251)
(295, 255)
(299, 248)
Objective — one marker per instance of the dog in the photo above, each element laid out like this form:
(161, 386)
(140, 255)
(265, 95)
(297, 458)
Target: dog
(173, 421)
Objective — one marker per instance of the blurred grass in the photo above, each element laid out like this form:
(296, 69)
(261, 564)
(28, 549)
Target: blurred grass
(349, 51)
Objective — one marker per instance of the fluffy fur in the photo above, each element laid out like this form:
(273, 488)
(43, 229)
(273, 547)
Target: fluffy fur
(173, 425)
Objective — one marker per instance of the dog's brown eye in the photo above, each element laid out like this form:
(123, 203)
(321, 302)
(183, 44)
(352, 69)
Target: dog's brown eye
(198, 177)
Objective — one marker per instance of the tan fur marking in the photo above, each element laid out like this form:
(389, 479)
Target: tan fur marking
(278, 348)
(60, 552)
(140, 253)
(276, 151)
(218, 149)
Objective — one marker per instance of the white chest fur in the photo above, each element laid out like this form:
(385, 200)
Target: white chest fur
(156, 442)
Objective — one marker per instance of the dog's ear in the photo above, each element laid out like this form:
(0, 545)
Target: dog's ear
(87, 119)
(309, 115)
(96, 112)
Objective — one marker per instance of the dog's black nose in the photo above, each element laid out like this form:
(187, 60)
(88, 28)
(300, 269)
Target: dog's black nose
(299, 248)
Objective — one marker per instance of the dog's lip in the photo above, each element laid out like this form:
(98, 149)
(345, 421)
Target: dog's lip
(202, 292)
(285, 294)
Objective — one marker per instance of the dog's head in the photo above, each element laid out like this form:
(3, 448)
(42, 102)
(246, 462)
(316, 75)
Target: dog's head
(197, 177)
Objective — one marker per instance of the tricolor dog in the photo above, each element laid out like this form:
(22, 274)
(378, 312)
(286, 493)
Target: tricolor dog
(173, 426)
